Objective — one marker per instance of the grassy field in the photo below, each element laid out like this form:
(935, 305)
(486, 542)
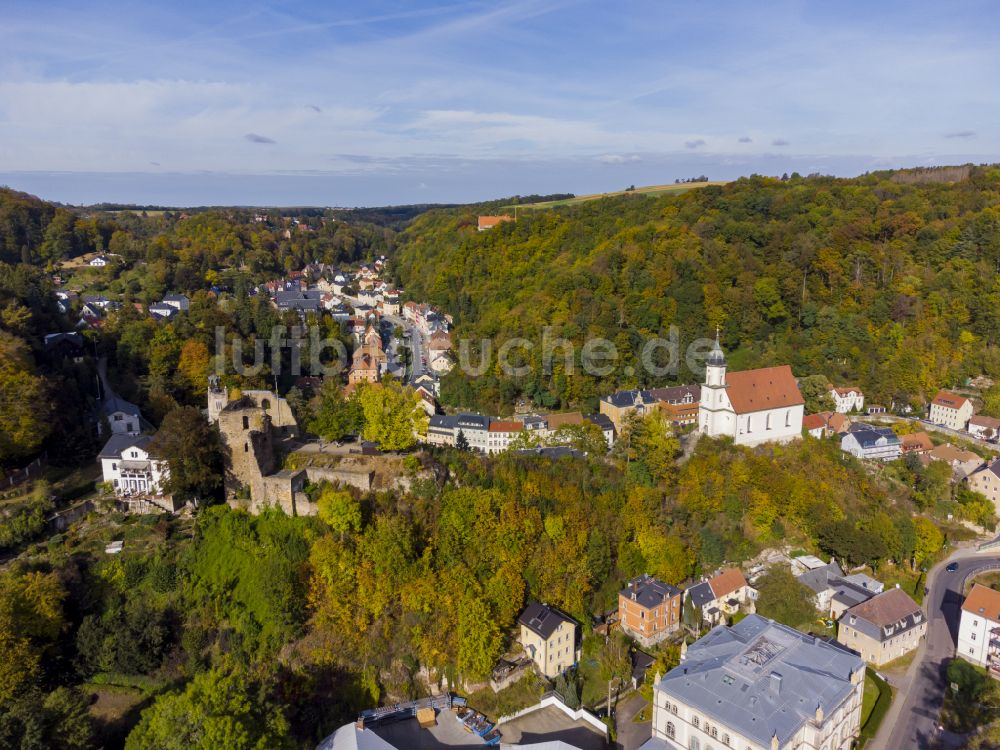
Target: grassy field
(648, 190)
(874, 706)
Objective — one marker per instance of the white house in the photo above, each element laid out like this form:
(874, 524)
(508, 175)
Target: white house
(130, 468)
(871, 443)
(847, 400)
(759, 685)
(98, 261)
(984, 428)
(751, 407)
(951, 410)
(123, 416)
(979, 628)
(178, 301)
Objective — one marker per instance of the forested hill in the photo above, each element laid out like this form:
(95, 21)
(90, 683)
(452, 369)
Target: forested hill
(888, 281)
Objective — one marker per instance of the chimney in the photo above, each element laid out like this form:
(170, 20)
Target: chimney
(819, 714)
(775, 683)
(774, 741)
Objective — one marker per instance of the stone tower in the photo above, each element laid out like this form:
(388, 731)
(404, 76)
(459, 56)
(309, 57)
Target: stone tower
(218, 397)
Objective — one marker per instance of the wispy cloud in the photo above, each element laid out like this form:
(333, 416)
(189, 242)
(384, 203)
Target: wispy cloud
(255, 138)
(315, 109)
(619, 158)
(961, 134)
(780, 142)
(745, 139)
(696, 143)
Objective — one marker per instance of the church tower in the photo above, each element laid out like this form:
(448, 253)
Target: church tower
(715, 366)
(713, 416)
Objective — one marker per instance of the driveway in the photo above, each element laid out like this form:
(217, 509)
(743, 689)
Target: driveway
(912, 719)
(631, 735)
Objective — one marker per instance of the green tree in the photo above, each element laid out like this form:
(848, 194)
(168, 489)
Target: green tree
(815, 392)
(336, 417)
(24, 418)
(215, 710)
(393, 415)
(781, 597)
(339, 510)
(192, 450)
(929, 540)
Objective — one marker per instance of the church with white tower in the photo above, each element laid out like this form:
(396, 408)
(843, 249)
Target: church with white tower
(752, 406)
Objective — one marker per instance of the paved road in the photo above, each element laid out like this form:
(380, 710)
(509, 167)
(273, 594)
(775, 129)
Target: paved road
(928, 426)
(631, 735)
(912, 720)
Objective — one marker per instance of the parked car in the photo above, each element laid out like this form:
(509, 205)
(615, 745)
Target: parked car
(952, 567)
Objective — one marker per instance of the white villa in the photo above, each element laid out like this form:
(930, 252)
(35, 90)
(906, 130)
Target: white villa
(847, 400)
(130, 468)
(751, 407)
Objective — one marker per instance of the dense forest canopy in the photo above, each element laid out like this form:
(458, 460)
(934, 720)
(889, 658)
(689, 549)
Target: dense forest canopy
(888, 281)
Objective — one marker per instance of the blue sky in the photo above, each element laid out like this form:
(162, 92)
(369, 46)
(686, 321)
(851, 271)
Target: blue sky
(395, 102)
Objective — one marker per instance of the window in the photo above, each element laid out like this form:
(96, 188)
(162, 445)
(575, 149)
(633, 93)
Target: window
(973, 636)
(246, 423)
(695, 722)
(714, 732)
(671, 731)
(725, 739)
(767, 424)
(788, 418)
(118, 417)
(246, 447)
(693, 744)
(114, 467)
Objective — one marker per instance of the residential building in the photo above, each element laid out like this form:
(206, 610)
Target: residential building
(549, 638)
(962, 462)
(848, 593)
(124, 417)
(364, 368)
(622, 403)
(979, 628)
(751, 407)
(814, 425)
(134, 472)
(679, 403)
(847, 400)
(986, 481)
(606, 426)
(759, 685)
(918, 443)
(722, 595)
(884, 628)
(162, 311)
(99, 261)
(984, 428)
(951, 410)
(501, 433)
(178, 301)
(871, 443)
(488, 222)
(475, 428)
(822, 582)
(441, 429)
(649, 610)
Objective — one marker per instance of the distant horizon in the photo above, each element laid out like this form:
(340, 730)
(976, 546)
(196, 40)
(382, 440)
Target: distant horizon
(498, 180)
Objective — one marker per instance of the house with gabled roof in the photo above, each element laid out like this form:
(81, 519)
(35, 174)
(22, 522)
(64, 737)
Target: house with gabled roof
(751, 407)
(883, 628)
(549, 638)
(986, 481)
(951, 410)
(979, 628)
(722, 594)
(871, 443)
(984, 428)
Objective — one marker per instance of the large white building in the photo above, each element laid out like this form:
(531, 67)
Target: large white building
(130, 468)
(751, 407)
(979, 628)
(759, 685)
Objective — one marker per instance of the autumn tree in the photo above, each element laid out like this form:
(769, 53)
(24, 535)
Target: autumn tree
(24, 403)
(335, 417)
(192, 450)
(393, 416)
